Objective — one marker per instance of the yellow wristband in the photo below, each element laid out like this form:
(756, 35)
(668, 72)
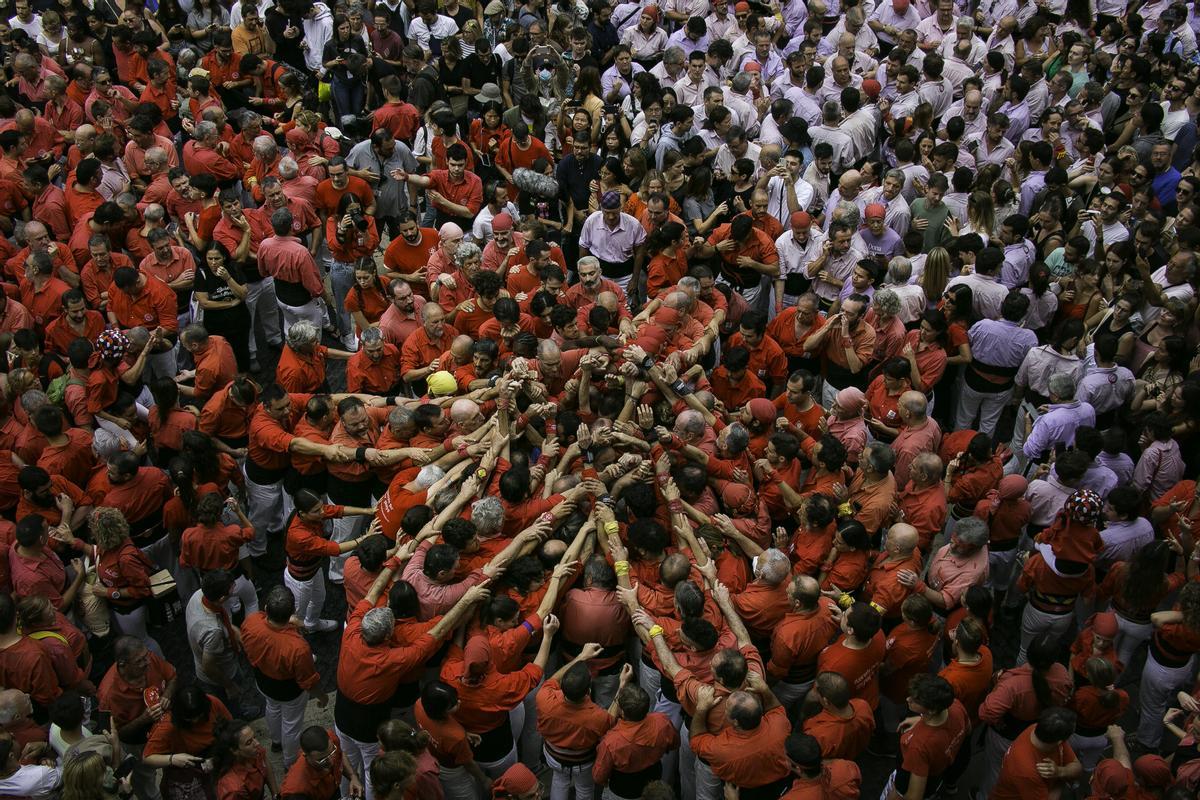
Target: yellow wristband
(655, 630)
(846, 510)
(621, 567)
(845, 601)
(611, 527)
(877, 607)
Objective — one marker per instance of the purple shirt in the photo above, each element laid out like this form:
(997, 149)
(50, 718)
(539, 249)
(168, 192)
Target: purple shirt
(1159, 468)
(1120, 463)
(611, 244)
(1000, 343)
(1057, 426)
(1106, 388)
(1123, 539)
(1046, 496)
(1099, 479)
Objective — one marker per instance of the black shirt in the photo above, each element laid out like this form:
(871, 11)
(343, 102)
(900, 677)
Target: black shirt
(575, 178)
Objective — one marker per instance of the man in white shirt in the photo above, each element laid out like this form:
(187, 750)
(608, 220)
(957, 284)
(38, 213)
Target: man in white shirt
(737, 98)
(892, 16)
(806, 102)
(1112, 230)
(689, 90)
(964, 34)
(784, 183)
(907, 98)
(970, 110)
(991, 147)
(936, 27)
(839, 78)
(899, 215)
(829, 132)
(797, 246)
(428, 26)
(935, 89)
(861, 122)
(672, 68)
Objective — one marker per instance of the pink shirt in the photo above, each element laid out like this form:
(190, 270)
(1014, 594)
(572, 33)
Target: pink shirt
(952, 574)
(910, 443)
(287, 259)
(1159, 468)
(436, 598)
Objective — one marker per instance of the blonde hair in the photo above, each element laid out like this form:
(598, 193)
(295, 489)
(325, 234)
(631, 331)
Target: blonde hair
(83, 778)
(936, 274)
(109, 527)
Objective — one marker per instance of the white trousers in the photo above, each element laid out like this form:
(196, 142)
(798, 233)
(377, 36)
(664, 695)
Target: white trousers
(343, 530)
(703, 784)
(359, 756)
(263, 305)
(458, 784)
(269, 507)
(243, 596)
(1159, 685)
(564, 777)
(988, 406)
(309, 312)
(1130, 636)
(309, 594)
(285, 723)
(1034, 623)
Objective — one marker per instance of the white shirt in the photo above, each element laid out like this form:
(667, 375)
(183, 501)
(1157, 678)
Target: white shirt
(443, 27)
(777, 205)
(318, 29)
(481, 230)
(794, 257)
(839, 140)
(862, 127)
(939, 94)
(1113, 233)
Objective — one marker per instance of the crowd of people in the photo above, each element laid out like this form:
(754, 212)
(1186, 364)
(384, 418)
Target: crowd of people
(707, 400)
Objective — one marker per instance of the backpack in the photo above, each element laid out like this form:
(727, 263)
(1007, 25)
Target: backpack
(57, 390)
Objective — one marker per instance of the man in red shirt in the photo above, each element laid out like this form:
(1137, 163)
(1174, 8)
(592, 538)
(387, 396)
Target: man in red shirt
(341, 182)
(135, 690)
(215, 363)
(767, 360)
(23, 664)
(375, 368)
(284, 669)
(929, 747)
(844, 724)
(571, 724)
(208, 155)
(858, 655)
(421, 354)
(629, 754)
(798, 640)
(748, 752)
(322, 767)
(1025, 773)
(456, 194)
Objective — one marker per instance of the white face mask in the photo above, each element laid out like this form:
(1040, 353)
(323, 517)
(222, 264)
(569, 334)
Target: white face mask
(545, 75)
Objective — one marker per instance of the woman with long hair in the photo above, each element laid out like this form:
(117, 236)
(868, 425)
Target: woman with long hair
(701, 212)
(487, 132)
(611, 178)
(1080, 297)
(240, 763)
(220, 289)
(352, 237)
(122, 573)
(455, 78)
(1043, 303)
(670, 248)
(1005, 202)
(935, 275)
(1136, 588)
(1049, 226)
(981, 215)
(1018, 697)
(89, 776)
(369, 296)
(675, 178)
(1118, 273)
(1171, 321)
(614, 143)
(205, 18)
(589, 96)
(168, 421)
(1166, 369)
(1097, 704)
(180, 741)
(1120, 321)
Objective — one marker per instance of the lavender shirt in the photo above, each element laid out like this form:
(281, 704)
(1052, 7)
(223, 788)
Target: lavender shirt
(1159, 468)
(1057, 426)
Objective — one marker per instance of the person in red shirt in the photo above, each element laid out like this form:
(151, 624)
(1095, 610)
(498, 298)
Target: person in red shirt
(748, 751)
(215, 363)
(434, 712)
(767, 360)
(284, 669)
(858, 654)
(816, 778)
(136, 691)
(375, 368)
(571, 724)
(910, 647)
(1040, 762)
(930, 743)
(970, 670)
(455, 192)
(212, 545)
(733, 383)
(321, 768)
(630, 754)
(23, 664)
(844, 725)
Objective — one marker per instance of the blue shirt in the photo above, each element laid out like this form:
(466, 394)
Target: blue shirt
(1164, 186)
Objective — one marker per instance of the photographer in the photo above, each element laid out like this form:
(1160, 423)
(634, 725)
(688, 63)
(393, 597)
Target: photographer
(351, 235)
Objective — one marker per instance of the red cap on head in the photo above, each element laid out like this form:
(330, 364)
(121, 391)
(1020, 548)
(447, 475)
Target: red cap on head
(762, 410)
(652, 12)
(477, 654)
(875, 211)
(1111, 780)
(742, 7)
(871, 87)
(800, 219)
(516, 781)
(751, 66)
(1153, 772)
(502, 222)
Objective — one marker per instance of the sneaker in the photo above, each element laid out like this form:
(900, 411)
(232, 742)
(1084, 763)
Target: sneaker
(323, 626)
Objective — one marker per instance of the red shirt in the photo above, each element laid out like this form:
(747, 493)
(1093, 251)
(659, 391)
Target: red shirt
(909, 651)
(930, 750)
(860, 668)
(153, 307)
(565, 726)
(301, 372)
(631, 747)
(303, 780)
(450, 745)
(127, 702)
(370, 674)
(1019, 778)
(468, 192)
(842, 737)
(279, 653)
(25, 666)
(214, 547)
(165, 738)
(328, 196)
(970, 682)
(748, 759)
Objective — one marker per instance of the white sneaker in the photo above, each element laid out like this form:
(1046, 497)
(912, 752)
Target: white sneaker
(323, 626)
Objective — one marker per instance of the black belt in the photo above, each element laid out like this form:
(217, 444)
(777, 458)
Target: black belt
(281, 689)
(616, 269)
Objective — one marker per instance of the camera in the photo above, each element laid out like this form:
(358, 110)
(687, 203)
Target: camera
(359, 219)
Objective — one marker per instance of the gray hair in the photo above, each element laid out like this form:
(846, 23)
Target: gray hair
(879, 457)
(673, 55)
(288, 168)
(689, 283)
(429, 475)
(34, 399)
(773, 567)
(590, 261)
(1062, 385)
(972, 531)
(205, 129)
(740, 82)
(377, 626)
(466, 251)
(831, 110)
(138, 336)
(965, 22)
(887, 302)
(899, 270)
(738, 438)
(154, 213)
(371, 335)
(302, 332)
(847, 213)
(156, 158)
(488, 515)
(264, 146)
(895, 174)
(400, 417)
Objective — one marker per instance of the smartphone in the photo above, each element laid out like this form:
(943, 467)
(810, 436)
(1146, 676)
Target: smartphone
(104, 721)
(125, 767)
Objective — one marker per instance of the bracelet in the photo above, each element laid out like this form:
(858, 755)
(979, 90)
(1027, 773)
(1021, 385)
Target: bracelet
(621, 567)
(611, 526)
(655, 630)
(675, 506)
(546, 517)
(877, 607)
(481, 473)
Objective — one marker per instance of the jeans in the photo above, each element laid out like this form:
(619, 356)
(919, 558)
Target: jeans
(341, 279)
(1088, 749)
(269, 508)
(988, 406)
(348, 97)
(264, 307)
(309, 594)
(285, 723)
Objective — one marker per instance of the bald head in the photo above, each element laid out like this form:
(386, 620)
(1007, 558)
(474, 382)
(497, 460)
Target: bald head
(463, 410)
(680, 301)
(914, 405)
(850, 183)
(744, 710)
(608, 300)
(674, 569)
(926, 469)
(462, 345)
(690, 423)
(901, 539)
